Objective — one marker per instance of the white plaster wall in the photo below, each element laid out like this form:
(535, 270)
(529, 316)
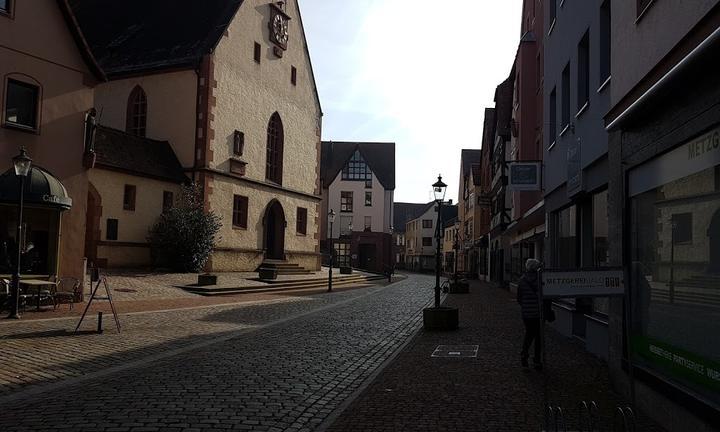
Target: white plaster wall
(248, 93)
(171, 108)
(380, 211)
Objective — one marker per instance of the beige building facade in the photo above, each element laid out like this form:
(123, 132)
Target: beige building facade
(243, 120)
(48, 81)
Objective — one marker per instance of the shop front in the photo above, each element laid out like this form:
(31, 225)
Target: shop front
(674, 256)
(45, 198)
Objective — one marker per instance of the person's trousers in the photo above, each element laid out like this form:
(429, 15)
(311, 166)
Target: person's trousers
(532, 334)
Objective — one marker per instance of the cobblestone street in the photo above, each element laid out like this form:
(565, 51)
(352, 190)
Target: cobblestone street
(273, 365)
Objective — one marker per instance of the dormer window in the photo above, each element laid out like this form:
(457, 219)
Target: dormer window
(357, 170)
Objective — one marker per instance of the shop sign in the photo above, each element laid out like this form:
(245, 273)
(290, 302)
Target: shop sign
(585, 283)
(681, 363)
(524, 176)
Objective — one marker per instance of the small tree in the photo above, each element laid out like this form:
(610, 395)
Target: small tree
(185, 234)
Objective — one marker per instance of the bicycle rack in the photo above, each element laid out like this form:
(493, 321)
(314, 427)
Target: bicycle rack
(589, 418)
(627, 420)
(554, 419)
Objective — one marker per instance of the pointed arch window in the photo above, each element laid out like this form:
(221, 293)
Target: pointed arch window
(275, 141)
(137, 112)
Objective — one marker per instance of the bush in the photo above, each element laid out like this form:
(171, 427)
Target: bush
(185, 235)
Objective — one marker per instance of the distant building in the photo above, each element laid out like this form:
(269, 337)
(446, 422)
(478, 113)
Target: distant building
(469, 210)
(451, 243)
(421, 236)
(237, 105)
(402, 213)
(358, 183)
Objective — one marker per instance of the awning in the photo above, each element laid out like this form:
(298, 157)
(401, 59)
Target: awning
(42, 189)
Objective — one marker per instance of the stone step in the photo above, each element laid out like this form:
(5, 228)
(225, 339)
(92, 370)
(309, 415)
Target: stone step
(360, 282)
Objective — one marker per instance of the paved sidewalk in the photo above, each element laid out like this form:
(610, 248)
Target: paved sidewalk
(490, 392)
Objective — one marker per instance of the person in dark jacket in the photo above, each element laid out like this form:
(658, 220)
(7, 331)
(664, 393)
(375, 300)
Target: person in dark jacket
(528, 298)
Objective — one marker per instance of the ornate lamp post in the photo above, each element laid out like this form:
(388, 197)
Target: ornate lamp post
(22, 164)
(439, 189)
(331, 219)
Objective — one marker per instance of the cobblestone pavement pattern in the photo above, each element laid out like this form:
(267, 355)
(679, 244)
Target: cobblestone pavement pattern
(274, 366)
(490, 392)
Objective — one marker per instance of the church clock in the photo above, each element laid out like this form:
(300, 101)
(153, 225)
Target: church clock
(279, 27)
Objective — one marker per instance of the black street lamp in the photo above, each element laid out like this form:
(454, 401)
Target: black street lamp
(331, 219)
(22, 164)
(439, 189)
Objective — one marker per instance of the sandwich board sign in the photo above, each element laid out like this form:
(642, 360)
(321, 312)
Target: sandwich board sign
(584, 283)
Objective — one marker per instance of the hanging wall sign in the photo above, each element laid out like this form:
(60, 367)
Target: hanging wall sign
(524, 176)
(583, 283)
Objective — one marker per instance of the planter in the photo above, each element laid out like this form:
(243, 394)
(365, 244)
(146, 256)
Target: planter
(267, 273)
(345, 270)
(459, 288)
(440, 318)
(207, 279)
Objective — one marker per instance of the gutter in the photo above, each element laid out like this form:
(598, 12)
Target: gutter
(715, 35)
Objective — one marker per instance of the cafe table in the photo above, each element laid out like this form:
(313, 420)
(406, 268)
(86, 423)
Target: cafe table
(37, 284)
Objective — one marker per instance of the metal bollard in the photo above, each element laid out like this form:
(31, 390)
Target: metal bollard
(99, 329)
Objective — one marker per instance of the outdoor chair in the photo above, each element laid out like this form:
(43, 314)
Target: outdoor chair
(68, 289)
(6, 293)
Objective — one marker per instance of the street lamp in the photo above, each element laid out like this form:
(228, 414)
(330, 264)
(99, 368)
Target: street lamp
(331, 219)
(22, 164)
(439, 189)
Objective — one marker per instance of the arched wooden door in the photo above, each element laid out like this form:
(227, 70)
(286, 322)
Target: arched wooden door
(274, 236)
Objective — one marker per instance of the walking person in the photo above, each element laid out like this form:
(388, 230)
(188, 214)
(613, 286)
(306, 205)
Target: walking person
(528, 298)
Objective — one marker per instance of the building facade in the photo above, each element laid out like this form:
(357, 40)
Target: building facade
(402, 213)
(48, 83)
(421, 236)
(469, 211)
(450, 246)
(664, 207)
(576, 97)
(358, 183)
(236, 100)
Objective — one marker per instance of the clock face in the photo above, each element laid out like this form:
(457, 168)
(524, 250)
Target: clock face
(280, 30)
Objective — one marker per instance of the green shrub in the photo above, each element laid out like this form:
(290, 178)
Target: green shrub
(185, 235)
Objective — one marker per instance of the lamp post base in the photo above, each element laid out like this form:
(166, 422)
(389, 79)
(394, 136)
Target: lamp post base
(440, 318)
(459, 288)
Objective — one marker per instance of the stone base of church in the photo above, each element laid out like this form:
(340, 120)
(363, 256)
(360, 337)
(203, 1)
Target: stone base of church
(236, 260)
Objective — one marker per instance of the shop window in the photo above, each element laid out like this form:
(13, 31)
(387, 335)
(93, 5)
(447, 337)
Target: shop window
(38, 241)
(111, 232)
(129, 197)
(674, 255)
(275, 144)
(343, 254)
(22, 104)
(600, 230)
(346, 201)
(368, 223)
(137, 112)
(566, 243)
(240, 211)
(565, 98)
(583, 72)
(368, 199)
(301, 221)
(427, 241)
(427, 223)
(605, 41)
(682, 227)
(168, 200)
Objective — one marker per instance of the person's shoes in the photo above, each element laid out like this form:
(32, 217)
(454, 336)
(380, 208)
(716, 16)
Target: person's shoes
(524, 362)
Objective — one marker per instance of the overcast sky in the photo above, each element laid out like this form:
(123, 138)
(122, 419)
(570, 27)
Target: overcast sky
(418, 73)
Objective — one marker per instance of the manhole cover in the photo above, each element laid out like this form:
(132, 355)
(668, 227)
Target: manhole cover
(127, 290)
(459, 351)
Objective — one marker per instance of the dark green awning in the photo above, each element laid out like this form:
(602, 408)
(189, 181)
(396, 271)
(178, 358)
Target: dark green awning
(42, 189)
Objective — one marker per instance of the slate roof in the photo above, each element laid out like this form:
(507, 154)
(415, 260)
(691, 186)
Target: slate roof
(118, 150)
(380, 157)
(130, 36)
(404, 212)
(469, 158)
(476, 174)
(80, 40)
(503, 107)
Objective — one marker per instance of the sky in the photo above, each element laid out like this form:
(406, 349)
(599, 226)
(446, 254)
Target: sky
(417, 73)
